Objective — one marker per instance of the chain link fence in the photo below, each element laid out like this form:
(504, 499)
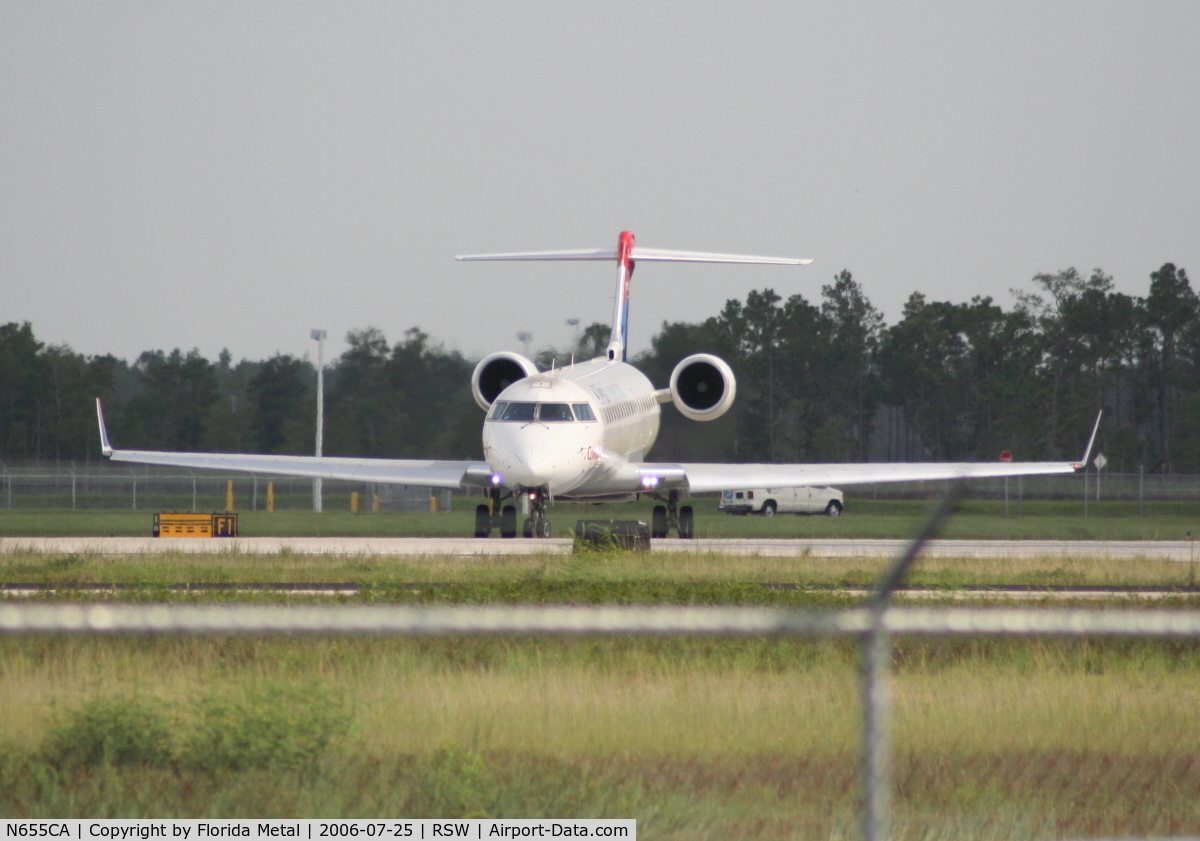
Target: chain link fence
(1001, 748)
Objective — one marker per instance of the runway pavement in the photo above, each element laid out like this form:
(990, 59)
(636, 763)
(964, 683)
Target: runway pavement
(1166, 550)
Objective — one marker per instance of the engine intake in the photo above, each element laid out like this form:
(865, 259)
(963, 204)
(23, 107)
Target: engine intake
(496, 372)
(703, 387)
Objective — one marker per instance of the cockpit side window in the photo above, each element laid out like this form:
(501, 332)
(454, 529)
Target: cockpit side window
(519, 412)
(497, 410)
(555, 412)
(584, 412)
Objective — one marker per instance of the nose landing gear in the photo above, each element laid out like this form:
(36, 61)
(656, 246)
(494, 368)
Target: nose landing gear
(536, 524)
(672, 516)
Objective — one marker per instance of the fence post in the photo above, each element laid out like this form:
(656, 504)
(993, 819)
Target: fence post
(193, 493)
(135, 492)
(72, 490)
(1085, 491)
(1141, 490)
(876, 676)
(877, 703)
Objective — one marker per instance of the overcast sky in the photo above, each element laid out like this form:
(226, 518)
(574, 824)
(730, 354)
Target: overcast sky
(229, 175)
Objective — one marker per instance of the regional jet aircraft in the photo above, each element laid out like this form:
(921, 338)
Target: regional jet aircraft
(581, 433)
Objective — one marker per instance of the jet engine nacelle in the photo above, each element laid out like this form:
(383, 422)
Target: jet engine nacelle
(497, 372)
(703, 387)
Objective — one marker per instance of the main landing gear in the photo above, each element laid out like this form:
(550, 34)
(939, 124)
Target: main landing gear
(496, 514)
(672, 516)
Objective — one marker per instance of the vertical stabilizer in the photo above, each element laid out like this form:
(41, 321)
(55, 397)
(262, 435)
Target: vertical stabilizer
(619, 338)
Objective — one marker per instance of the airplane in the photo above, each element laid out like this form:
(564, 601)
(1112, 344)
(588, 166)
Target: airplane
(581, 433)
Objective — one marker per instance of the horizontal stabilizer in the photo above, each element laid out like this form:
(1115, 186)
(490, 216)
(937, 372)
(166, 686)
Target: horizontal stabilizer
(650, 255)
(659, 255)
(578, 254)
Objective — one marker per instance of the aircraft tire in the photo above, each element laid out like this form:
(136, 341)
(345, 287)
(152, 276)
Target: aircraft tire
(658, 521)
(483, 520)
(687, 522)
(543, 530)
(527, 527)
(508, 521)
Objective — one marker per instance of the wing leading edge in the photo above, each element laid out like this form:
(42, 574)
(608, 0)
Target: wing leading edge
(704, 478)
(434, 474)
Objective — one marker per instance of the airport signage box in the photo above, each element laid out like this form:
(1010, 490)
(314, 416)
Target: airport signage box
(196, 525)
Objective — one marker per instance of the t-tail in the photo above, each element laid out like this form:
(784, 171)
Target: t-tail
(626, 255)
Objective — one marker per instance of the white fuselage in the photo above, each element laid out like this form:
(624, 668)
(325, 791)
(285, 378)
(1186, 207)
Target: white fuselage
(577, 432)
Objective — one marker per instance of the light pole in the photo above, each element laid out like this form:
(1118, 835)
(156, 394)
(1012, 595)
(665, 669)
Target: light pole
(319, 336)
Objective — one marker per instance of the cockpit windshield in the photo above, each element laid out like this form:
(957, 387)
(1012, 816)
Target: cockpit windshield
(544, 412)
(519, 412)
(555, 412)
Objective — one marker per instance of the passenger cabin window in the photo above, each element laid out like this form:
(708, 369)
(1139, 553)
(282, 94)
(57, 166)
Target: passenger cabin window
(519, 412)
(497, 410)
(555, 412)
(584, 412)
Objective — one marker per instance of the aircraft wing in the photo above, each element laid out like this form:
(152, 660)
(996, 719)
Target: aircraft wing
(394, 471)
(702, 478)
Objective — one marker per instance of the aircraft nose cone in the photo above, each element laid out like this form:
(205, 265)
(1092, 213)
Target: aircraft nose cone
(533, 466)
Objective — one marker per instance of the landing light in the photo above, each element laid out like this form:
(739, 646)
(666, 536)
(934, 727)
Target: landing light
(533, 495)
(650, 481)
(497, 478)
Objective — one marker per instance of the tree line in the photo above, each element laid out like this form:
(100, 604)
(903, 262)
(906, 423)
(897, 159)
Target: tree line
(824, 380)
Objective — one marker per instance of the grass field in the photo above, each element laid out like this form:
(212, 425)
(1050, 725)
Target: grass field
(591, 578)
(978, 519)
(697, 738)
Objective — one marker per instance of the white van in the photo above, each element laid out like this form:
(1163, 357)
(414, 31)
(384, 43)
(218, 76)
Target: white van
(772, 501)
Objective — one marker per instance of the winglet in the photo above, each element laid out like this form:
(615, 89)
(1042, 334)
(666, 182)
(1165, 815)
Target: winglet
(1088, 452)
(105, 447)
